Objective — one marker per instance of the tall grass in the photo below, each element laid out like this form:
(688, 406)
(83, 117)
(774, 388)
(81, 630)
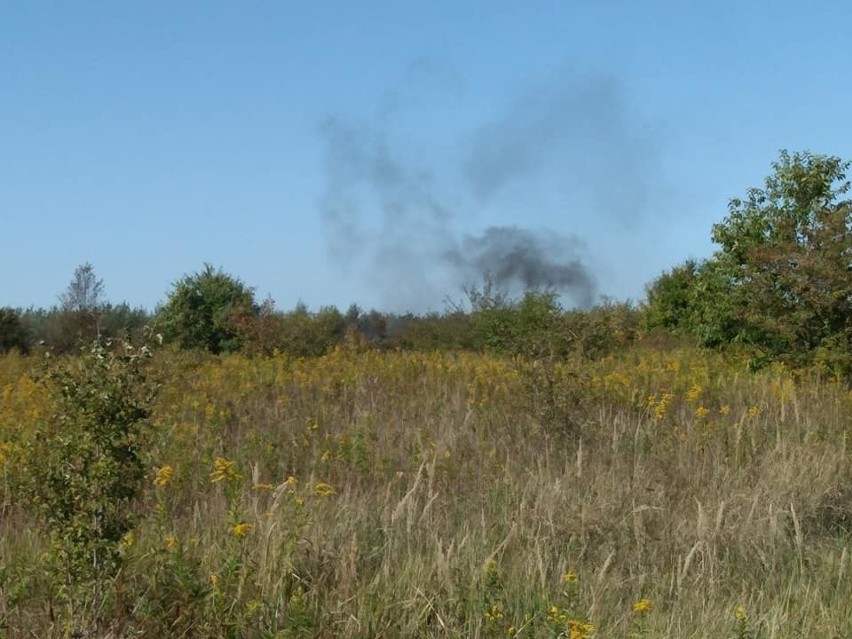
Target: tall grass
(367, 494)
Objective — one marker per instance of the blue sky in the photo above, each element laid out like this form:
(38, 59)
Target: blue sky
(338, 152)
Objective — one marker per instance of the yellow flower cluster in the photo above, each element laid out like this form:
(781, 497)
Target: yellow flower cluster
(494, 613)
(580, 629)
(224, 470)
(163, 476)
(642, 606)
(324, 490)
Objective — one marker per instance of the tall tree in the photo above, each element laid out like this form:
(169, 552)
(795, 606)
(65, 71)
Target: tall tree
(786, 252)
(84, 292)
(82, 306)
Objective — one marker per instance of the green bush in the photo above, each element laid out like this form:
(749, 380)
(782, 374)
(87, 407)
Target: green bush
(85, 471)
(199, 311)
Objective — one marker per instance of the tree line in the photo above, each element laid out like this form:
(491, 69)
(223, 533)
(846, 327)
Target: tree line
(778, 288)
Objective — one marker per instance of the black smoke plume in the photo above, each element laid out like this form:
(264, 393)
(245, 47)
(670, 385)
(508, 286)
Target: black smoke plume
(404, 223)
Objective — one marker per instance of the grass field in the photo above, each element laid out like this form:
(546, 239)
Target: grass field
(369, 494)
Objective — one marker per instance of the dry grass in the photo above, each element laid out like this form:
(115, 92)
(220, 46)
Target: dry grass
(441, 496)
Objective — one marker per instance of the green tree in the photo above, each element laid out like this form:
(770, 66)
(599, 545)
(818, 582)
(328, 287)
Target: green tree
(200, 309)
(784, 262)
(13, 334)
(670, 299)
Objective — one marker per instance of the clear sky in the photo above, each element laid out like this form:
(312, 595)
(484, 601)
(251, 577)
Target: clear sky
(383, 152)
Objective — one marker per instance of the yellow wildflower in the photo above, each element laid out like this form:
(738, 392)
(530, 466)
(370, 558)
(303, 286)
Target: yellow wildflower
(263, 486)
(164, 476)
(569, 577)
(224, 470)
(240, 529)
(494, 613)
(642, 606)
(693, 393)
(324, 490)
(701, 412)
(580, 629)
(740, 614)
(214, 579)
(753, 411)
(171, 542)
(663, 405)
(725, 409)
(127, 541)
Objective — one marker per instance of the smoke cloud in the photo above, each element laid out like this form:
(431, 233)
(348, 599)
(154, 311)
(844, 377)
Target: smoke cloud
(405, 222)
(518, 258)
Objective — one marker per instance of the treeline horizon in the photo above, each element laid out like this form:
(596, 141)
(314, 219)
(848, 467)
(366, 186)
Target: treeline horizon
(777, 289)
(236, 321)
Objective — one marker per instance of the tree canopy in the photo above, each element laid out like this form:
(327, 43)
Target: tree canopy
(200, 309)
(781, 281)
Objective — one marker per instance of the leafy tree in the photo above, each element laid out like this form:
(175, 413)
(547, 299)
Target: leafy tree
(200, 308)
(669, 299)
(13, 334)
(784, 262)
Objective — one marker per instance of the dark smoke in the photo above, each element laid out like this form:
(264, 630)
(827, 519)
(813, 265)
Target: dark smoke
(518, 258)
(394, 218)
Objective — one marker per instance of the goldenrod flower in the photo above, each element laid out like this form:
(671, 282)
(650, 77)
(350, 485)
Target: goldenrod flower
(693, 393)
(164, 476)
(324, 490)
(240, 529)
(740, 614)
(701, 412)
(224, 470)
(127, 541)
(494, 613)
(171, 542)
(263, 486)
(580, 629)
(642, 606)
(569, 577)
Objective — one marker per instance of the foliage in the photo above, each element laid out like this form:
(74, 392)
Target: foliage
(371, 492)
(85, 468)
(670, 299)
(13, 334)
(780, 284)
(786, 250)
(199, 310)
(299, 332)
(63, 332)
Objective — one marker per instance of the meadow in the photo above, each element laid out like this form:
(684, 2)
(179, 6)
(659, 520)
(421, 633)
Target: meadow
(649, 493)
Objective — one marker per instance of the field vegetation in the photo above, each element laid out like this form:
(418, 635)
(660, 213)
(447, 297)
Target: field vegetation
(510, 468)
(367, 494)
